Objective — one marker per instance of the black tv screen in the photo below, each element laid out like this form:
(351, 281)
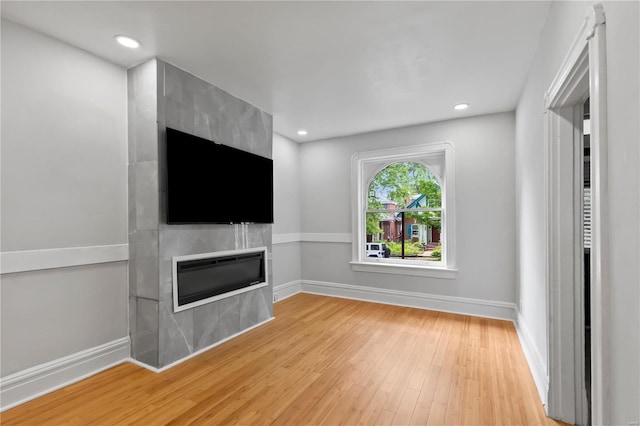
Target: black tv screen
(212, 183)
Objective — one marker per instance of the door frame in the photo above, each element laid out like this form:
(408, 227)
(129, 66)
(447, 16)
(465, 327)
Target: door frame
(582, 74)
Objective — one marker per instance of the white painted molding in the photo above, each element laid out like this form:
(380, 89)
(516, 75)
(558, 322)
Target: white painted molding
(180, 361)
(282, 291)
(457, 305)
(566, 79)
(490, 309)
(365, 165)
(600, 265)
(34, 260)
(143, 365)
(582, 71)
(379, 267)
(286, 238)
(34, 382)
(534, 359)
(309, 237)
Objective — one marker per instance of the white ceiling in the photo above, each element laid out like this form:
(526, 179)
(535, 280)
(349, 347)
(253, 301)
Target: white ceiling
(332, 67)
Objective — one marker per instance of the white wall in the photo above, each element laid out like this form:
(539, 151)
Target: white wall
(286, 182)
(63, 145)
(484, 178)
(623, 48)
(286, 201)
(623, 80)
(64, 184)
(49, 314)
(560, 32)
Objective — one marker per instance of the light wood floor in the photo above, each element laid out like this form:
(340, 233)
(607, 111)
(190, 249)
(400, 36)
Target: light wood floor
(321, 361)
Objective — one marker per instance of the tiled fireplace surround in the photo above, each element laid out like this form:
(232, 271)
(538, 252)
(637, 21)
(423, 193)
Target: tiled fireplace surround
(161, 95)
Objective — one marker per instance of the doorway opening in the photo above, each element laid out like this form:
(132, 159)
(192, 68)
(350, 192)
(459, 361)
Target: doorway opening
(577, 231)
(586, 249)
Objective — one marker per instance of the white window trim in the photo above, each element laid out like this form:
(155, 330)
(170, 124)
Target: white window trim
(363, 161)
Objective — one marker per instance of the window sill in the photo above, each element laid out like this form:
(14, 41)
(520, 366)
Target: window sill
(397, 269)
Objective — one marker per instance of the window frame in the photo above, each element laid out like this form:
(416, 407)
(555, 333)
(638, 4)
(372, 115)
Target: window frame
(364, 167)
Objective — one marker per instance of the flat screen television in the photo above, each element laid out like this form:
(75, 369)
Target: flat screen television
(212, 183)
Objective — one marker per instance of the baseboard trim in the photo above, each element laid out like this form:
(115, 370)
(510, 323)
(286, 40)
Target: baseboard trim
(34, 260)
(534, 359)
(282, 291)
(34, 382)
(325, 237)
(457, 305)
(180, 361)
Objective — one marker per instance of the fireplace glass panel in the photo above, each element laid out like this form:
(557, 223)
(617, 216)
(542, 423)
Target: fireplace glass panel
(204, 278)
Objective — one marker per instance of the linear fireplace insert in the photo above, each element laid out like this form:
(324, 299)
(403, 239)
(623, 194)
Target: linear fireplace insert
(206, 277)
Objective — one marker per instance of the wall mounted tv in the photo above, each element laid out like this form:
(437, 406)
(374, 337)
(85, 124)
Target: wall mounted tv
(212, 183)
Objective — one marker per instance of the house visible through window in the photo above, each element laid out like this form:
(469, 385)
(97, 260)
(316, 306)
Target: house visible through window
(404, 210)
(403, 198)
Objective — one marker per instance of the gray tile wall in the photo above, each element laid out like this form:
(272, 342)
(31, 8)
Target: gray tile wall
(162, 95)
(144, 210)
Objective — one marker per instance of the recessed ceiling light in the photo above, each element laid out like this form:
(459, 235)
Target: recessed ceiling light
(128, 42)
(461, 106)
(302, 132)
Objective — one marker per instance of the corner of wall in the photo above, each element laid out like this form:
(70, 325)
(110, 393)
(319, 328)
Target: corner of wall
(534, 359)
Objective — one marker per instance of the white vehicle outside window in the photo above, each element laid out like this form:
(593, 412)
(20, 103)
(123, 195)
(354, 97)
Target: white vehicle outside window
(377, 250)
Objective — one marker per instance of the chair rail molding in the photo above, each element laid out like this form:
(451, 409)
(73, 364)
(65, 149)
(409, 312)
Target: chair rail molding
(34, 260)
(312, 237)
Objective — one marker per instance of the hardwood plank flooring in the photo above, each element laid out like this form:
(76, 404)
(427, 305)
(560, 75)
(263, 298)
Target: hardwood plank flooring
(321, 361)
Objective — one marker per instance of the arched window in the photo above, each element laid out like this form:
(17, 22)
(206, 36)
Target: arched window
(403, 211)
